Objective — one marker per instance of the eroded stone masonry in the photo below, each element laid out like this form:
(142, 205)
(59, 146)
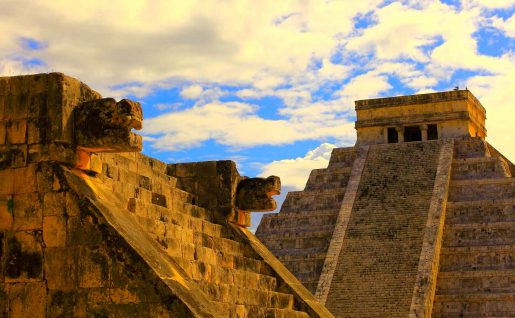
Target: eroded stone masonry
(416, 220)
(89, 227)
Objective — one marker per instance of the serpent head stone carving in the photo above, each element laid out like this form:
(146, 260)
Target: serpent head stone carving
(104, 125)
(255, 194)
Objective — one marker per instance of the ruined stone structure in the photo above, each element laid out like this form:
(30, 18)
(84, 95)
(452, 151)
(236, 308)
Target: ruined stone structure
(416, 220)
(89, 227)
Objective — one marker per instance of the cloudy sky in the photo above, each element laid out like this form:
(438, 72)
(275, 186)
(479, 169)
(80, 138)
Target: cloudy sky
(268, 84)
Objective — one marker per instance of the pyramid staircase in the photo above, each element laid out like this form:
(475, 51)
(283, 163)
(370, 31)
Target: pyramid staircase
(477, 262)
(233, 277)
(299, 236)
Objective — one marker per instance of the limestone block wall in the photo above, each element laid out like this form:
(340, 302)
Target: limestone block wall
(84, 234)
(217, 262)
(60, 257)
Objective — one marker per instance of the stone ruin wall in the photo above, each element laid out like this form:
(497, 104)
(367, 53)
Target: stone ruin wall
(58, 257)
(116, 234)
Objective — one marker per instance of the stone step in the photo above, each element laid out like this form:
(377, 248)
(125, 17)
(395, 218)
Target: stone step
(237, 262)
(328, 178)
(158, 213)
(305, 267)
(192, 252)
(178, 240)
(299, 232)
(282, 313)
(303, 256)
(201, 271)
(470, 148)
(314, 241)
(482, 189)
(293, 248)
(277, 222)
(192, 210)
(474, 305)
(286, 212)
(321, 199)
(241, 311)
(480, 211)
(478, 234)
(241, 295)
(479, 168)
(477, 258)
(476, 281)
(342, 157)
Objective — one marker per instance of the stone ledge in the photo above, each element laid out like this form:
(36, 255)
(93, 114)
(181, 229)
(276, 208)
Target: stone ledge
(470, 182)
(419, 99)
(477, 226)
(459, 204)
(475, 297)
(478, 249)
(476, 273)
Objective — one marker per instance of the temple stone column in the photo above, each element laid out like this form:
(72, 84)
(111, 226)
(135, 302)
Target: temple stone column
(423, 130)
(400, 133)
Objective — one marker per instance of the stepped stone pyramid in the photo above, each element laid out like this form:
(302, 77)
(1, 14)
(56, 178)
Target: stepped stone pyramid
(416, 220)
(89, 227)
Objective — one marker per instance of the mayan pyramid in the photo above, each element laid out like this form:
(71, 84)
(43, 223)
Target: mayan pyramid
(416, 220)
(89, 227)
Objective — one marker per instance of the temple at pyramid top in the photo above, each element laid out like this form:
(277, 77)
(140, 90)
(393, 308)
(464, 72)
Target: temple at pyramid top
(420, 117)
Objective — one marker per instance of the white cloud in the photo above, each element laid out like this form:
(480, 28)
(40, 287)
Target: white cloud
(365, 86)
(507, 26)
(490, 4)
(191, 92)
(286, 49)
(236, 124)
(496, 93)
(295, 172)
(160, 40)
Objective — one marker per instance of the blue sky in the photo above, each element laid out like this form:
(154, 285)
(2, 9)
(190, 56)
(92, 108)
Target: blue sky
(268, 84)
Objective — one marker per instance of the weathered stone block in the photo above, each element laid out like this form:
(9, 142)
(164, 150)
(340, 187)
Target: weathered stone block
(37, 105)
(16, 106)
(72, 204)
(16, 131)
(3, 100)
(20, 84)
(61, 268)
(82, 231)
(67, 304)
(97, 297)
(44, 177)
(54, 230)
(24, 257)
(25, 179)
(5, 85)
(13, 156)
(7, 181)
(27, 300)
(53, 203)
(4, 299)
(3, 132)
(6, 212)
(28, 212)
(35, 131)
(93, 268)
